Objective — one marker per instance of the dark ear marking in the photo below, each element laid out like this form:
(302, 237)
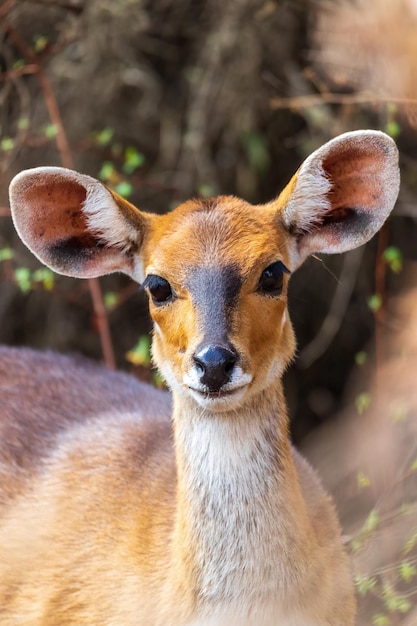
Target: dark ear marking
(74, 252)
(75, 225)
(344, 216)
(342, 193)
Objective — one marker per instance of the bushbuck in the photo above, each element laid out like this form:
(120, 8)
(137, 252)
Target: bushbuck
(117, 509)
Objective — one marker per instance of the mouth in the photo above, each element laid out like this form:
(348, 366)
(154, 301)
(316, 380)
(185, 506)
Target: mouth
(221, 393)
(204, 395)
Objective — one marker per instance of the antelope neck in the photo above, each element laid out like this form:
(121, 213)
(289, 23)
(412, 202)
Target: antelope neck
(236, 485)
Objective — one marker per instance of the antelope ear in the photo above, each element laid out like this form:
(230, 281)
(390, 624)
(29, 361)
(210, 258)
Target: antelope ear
(75, 225)
(342, 193)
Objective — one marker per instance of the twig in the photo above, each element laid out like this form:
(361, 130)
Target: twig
(302, 102)
(48, 94)
(6, 7)
(18, 72)
(380, 290)
(67, 161)
(335, 316)
(102, 322)
(55, 117)
(69, 5)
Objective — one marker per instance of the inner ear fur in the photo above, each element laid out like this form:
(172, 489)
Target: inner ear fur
(342, 193)
(76, 225)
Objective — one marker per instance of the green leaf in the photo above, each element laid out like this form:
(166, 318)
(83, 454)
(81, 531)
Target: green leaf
(133, 160)
(381, 620)
(124, 189)
(407, 571)
(107, 171)
(110, 299)
(361, 358)
(375, 302)
(363, 402)
(40, 42)
(393, 129)
(104, 136)
(18, 64)
(6, 254)
(206, 190)
(141, 353)
(22, 277)
(394, 601)
(365, 584)
(51, 131)
(369, 525)
(414, 465)
(371, 522)
(410, 544)
(393, 257)
(363, 480)
(23, 123)
(45, 276)
(7, 144)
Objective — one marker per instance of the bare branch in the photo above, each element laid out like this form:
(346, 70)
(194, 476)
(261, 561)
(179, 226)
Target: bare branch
(336, 314)
(309, 100)
(67, 161)
(76, 6)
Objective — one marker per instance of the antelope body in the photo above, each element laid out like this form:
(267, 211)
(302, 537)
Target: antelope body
(118, 510)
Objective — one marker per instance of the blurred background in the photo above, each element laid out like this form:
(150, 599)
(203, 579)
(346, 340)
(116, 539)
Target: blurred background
(168, 99)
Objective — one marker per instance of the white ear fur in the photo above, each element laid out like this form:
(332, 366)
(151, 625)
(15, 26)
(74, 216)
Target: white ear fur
(104, 217)
(342, 193)
(74, 224)
(309, 198)
(106, 220)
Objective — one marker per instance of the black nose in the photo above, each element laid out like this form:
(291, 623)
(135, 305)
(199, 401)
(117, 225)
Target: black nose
(215, 366)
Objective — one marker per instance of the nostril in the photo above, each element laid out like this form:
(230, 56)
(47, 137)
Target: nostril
(199, 366)
(229, 367)
(215, 365)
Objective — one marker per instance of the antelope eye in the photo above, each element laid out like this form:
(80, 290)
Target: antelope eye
(159, 289)
(272, 279)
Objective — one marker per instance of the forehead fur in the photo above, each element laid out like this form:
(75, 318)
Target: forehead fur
(216, 231)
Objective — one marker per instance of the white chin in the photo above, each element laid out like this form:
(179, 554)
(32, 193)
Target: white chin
(219, 402)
